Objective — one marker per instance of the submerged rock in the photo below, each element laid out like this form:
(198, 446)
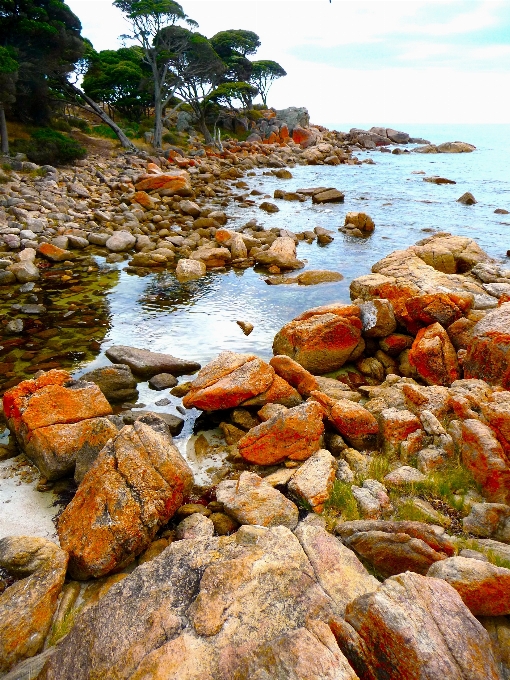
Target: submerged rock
(116, 382)
(146, 363)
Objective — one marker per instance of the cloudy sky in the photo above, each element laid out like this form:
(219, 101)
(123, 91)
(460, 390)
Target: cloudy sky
(363, 62)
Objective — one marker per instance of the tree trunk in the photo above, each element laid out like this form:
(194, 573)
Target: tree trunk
(126, 143)
(204, 129)
(3, 131)
(158, 120)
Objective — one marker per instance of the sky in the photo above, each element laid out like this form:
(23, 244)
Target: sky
(360, 62)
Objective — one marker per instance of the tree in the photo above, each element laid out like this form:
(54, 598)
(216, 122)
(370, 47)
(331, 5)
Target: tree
(228, 93)
(194, 70)
(264, 73)
(240, 42)
(8, 76)
(46, 37)
(147, 19)
(120, 79)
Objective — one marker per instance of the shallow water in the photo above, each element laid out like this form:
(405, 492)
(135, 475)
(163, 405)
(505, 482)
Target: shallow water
(197, 320)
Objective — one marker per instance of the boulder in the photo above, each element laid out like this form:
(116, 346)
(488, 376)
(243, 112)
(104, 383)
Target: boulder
(498, 628)
(279, 392)
(351, 420)
(360, 220)
(294, 374)
(488, 520)
(121, 241)
(397, 136)
(395, 427)
(313, 481)
(251, 500)
(455, 147)
(304, 136)
(484, 457)
(162, 381)
(338, 570)
(328, 196)
(190, 270)
(54, 253)
(434, 357)
(117, 383)
(195, 526)
(28, 605)
(467, 199)
(395, 547)
(24, 271)
(404, 475)
(55, 419)
(322, 339)
(483, 587)
(134, 487)
(146, 363)
(415, 627)
(212, 257)
(171, 182)
(239, 593)
(228, 381)
(316, 276)
(377, 318)
(488, 354)
(294, 434)
(281, 253)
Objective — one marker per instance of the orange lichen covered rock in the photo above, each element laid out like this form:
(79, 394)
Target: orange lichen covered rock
(488, 354)
(54, 418)
(135, 486)
(174, 181)
(484, 457)
(54, 253)
(434, 356)
(143, 199)
(279, 392)
(28, 605)
(444, 308)
(304, 136)
(294, 434)
(295, 374)
(322, 339)
(228, 381)
(350, 419)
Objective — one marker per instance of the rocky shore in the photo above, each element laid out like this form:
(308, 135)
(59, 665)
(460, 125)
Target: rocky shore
(360, 522)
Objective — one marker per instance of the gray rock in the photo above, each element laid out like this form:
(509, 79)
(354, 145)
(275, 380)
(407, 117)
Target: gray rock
(25, 271)
(195, 526)
(14, 327)
(147, 364)
(78, 242)
(313, 481)
(175, 424)
(162, 381)
(98, 239)
(6, 277)
(120, 241)
(489, 520)
(116, 382)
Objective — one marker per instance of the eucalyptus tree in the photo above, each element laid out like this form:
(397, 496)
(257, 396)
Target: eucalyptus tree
(8, 76)
(263, 75)
(147, 19)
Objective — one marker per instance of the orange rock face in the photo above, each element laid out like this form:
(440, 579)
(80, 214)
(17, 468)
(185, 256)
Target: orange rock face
(136, 484)
(483, 455)
(175, 181)
(294, 434)
(321, 339)
(228, 381)
(143, 199)
(434, 356)
(305, 137)
(279, 392)
(444, 308)
(488, 354)
(350, 419)
(53, 253)
(294, 374)
(54, 423)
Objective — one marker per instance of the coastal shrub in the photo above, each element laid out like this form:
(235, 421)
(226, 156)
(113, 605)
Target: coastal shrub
(61, 125)
(79, 123)
(341, 503)
(49, 147)
(171, 137)
(104, 131)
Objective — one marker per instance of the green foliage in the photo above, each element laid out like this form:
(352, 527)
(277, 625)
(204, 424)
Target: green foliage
(341, 502)
(49, 147)
(45, 36)
(104, 131)
(473, 544)
(79, 123)
(228, 43)
(228, 93)
(263, 75)
(447, 484)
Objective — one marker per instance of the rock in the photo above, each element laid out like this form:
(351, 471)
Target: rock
(395, 427)
(77, 242)
(28, 605)
(228, 381)
(368, 506)
(147, 364)
(484, 457)
(328, 196)
(488, 354)
(281, 253)
(434, 356)
(397, 136)
(313, 481)
(189, 208)
(120, 241)
(212, 257)
(467, 199)
(488, 520)
(250, 500)
(483, 587)
(338, 570)
(455, 147)
(404, 475)
(360, 220)
(169, 183)
(304, 136)
(269, 207)
(498, 628)
(245, 326)
(501, 211)
(14, 327)
(162, 381)
(54, 253)
(24, 271)
(116, 382)
(351, 420)
(294, 434)
(377, 318)
(314, 277)
(135, 486)
(190, 270)
(321, 339)
(175, 424)
(294, 374)
(260, 580)
(415, 627)
(56, 419)
(196, 526)
(438, 180)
